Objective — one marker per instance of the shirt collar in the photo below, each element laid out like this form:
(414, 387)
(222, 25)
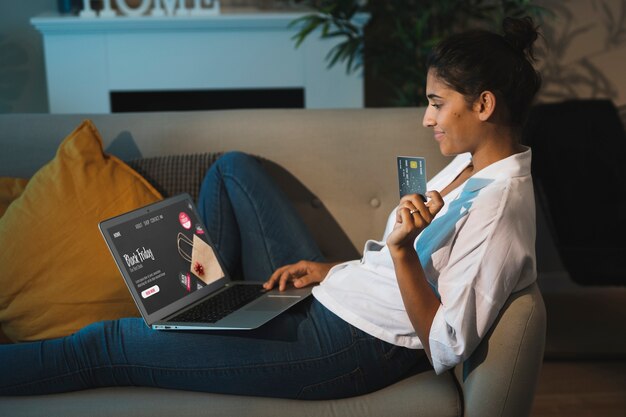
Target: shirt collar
(516, 165)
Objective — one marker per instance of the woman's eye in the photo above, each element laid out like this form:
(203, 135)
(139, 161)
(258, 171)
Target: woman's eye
(435, 105)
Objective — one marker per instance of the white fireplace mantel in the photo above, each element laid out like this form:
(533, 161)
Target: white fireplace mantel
(86, 59)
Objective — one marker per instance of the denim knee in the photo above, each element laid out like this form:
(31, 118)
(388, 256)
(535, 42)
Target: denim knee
(236, 159)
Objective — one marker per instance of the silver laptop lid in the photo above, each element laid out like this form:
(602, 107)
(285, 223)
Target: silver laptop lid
(165, 255)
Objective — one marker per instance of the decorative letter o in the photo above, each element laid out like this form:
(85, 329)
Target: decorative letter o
(139, 11)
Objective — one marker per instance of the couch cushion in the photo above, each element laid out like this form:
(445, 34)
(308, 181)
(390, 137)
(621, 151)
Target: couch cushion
(422, 395)
(175, 174)
(55, 271)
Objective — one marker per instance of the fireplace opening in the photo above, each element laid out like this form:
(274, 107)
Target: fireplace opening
(180, 100)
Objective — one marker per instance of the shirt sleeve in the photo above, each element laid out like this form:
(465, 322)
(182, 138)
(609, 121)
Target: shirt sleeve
(391, 221)
(486, 258)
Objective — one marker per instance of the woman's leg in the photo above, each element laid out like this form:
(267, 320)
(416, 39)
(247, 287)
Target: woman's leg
(307, 353)
(252, 223)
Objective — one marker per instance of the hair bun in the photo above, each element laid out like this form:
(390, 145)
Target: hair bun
(521, 34)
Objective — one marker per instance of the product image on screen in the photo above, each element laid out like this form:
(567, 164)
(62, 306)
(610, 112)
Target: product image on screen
(167, 255)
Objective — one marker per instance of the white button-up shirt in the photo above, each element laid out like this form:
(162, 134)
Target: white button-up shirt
(477, 251)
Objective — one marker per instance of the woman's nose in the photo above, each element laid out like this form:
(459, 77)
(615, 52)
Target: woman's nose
(428, 120)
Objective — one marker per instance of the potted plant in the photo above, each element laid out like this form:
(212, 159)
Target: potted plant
(393, 46)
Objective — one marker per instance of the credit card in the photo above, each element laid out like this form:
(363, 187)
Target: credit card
(412, 175)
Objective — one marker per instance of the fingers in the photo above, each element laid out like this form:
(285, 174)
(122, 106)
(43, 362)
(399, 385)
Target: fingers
(277, 277)
(285, 277)
(427, 210)
(288, 273)
(303, 281)
(419, 218)
(406, 217)
(422, 214)
(412, 217)
(419, 213)
(413, 202)
(435, 202)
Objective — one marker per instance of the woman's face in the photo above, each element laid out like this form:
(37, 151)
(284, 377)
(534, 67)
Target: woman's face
(455, 124)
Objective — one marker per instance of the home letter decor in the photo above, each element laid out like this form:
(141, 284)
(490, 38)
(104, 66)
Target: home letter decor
(139, 11)
(152, 8)
(198, 10)
(87, 10)
(107, 11)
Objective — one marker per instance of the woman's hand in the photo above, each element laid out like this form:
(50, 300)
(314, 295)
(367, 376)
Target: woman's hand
(301, 274)
(412, 216)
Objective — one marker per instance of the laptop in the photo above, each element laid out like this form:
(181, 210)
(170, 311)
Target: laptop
(176, 276)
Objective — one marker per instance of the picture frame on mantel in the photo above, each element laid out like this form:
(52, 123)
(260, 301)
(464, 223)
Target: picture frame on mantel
(149, 8)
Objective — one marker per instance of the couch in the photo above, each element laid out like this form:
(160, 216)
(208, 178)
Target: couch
(338, 167)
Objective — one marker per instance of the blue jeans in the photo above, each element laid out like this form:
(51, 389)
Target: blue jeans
(306, 353)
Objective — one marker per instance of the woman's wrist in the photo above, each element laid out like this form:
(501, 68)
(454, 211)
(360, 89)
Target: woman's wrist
(402, 253)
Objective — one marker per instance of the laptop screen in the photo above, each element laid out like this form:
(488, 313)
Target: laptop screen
(165, 255)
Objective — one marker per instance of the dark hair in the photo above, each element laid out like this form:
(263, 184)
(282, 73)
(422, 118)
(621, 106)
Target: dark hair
(479, 60)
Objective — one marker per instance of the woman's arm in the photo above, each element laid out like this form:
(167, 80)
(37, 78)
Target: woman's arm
(420, 302)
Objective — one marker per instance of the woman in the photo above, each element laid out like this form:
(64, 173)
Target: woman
(425, 295)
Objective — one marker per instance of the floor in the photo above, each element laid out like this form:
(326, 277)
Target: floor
(582, 322)
(581, 388)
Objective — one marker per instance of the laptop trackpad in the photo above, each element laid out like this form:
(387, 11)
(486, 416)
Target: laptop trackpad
(273, 303)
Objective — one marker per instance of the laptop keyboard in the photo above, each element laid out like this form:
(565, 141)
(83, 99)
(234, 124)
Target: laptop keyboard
(222, 304)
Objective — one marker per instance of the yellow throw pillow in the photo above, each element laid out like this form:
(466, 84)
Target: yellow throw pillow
(56, 272)
(10, 189)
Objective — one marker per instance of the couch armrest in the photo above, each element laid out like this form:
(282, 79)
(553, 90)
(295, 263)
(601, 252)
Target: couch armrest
(500, 377)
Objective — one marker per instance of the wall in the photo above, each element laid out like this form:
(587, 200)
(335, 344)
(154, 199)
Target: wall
(586, 52)
(22, 77)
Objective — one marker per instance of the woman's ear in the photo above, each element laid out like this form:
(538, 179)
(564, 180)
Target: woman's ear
(485, 105)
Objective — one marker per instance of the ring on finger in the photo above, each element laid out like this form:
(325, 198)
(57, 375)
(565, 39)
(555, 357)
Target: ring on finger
(411, 212)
